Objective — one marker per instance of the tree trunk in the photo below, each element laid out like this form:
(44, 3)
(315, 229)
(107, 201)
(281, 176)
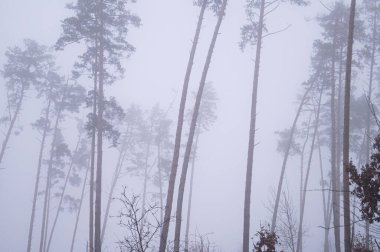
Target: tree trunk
(368, 119)
(145, 181)
(160, 181)
(194, 118)
(177, 143)
(92, 165)
(62, 196)
(48, 185)
(326, 205)
(302, 210)
(333, 148)
(36, 184)
(252, 131)
(191, 190)
(116, 175)
(300, 230)
(12, 124)
(286, 155)
(346, 131)
(47, 217)
(99, 160)
(79, 210)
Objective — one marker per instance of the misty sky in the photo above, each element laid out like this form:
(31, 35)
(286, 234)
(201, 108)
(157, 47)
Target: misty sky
(154, 74)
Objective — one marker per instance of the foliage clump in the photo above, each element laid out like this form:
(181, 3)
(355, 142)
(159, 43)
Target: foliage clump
(367, 185)
(267, 240)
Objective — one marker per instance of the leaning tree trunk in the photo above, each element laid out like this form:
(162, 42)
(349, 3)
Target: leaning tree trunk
(48, 185)
(116, 175)
(346, 132)
(326, 204)
(62, 196)
(177, 142)
(191, 190)
(79, 210)
(12, 124)
(302, 210)
(36, 184)
(194, 118)
(286, 155)
(252, 131)
(300, 230)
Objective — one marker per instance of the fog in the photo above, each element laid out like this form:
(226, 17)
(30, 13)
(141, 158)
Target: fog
(154, 78)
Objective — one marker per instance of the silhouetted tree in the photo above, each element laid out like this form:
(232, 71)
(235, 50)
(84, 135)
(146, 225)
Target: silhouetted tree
(252, 34)
(24, 67)
(103, 26)
(141, 229)
(194, 119)
(177, 141)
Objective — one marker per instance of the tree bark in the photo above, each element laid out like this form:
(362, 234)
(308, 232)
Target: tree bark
(194, 118)
(177, 143)
(252, 130)
(346, 131)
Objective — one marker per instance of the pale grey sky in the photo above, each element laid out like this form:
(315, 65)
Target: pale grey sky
(155, 74)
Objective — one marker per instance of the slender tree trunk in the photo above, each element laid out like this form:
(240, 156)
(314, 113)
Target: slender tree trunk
(99, 160)
(160, 182)
(12, 124)
(286, 155)
(326, 206)
(47, 218)
(302, 210)
(116, 175)
(334, 170)
(300, 230)
(79, 210)
(48, 185)
(177, 142)
(145, 182)
(346, 131)
(36, 184)
(252, 131)
(338, 145)
(368, 119)
(191, 190)
(194, 118)
(62, 195)
(92, 165)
